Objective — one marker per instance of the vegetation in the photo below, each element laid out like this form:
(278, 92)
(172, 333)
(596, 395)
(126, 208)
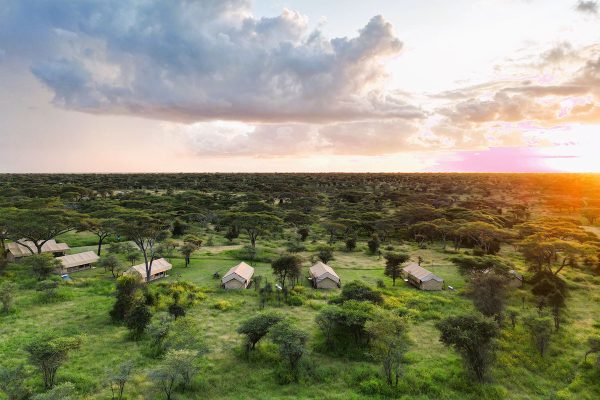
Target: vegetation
(106, 334)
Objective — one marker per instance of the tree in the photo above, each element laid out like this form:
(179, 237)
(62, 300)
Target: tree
(257, 327)
(488, 291)
(111, 263)
(101, 227)
(184, 363)
(325, 254)
(118, 378)
(48, 354)
(137, 319)
(12, 382)
(389, 342)
(374, 244)
(345, 324)
(7, 295)
(472, 337)
(591, 214)
(38, 226)
(257, 224)
(132, 256)
(334, 229)
(287, 267)
(145, 231)
(303, 232)
(350, 244)
(359, 291)
(158, 329)
(43, 265)
(127, 287)
(187, 250)
(483, 234)
(393, 265)
(167, 248)
(291, 342)
(540, 329)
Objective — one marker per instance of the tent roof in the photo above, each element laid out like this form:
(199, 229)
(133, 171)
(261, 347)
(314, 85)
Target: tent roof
(18, 250)
(242, 270)
(75, 260)
(421, 273)
(158, 266)
(321, 271)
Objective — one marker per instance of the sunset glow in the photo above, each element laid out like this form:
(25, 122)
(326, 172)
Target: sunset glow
(299, 86)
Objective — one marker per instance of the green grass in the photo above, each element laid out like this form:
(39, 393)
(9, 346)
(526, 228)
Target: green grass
(432, 371)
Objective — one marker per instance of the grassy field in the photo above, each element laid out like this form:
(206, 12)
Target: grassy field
(432, 371)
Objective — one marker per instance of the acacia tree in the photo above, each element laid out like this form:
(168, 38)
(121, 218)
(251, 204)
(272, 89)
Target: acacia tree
(257, 224)
(48, 354)
(38, 226)
(472, 337)
(101, 227)
(145, 231)
(393, 265)
(483, 234)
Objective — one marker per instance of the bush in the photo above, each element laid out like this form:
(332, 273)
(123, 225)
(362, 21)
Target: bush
(360, 291)
(222, 305)
(295, 301)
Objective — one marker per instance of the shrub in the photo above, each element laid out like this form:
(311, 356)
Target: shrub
(360, 291)
(257, 327)
(137, 319)
(222, 305)
(7, 294)
(292, 344)
(12, 382)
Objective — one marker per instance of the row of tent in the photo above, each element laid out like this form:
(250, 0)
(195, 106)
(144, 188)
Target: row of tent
(321, 275)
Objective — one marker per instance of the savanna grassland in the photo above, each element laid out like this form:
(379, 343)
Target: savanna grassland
(470, 230)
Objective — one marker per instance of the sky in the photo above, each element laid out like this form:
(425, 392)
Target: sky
(299, 86)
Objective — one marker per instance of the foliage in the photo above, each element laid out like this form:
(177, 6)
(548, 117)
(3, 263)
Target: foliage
(12, 382)
(137, 319)
(64, 391)
(48, 354)
(287, 268)
(118, 377)
(360, 291)
(393, 265)
(540, 329)
(291, 342)
(389, 343)
(7, 295)
(127, 287)
(257, 327)
(471, 336)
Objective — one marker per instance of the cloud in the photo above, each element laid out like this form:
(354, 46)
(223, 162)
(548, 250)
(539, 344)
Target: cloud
(587, 7)
(204, 60)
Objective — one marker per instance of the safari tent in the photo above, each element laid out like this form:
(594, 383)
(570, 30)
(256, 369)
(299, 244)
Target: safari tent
(16, 250)
(422, 278)
(77, 262)
(238, 277)
(159, 269)
(323, 276)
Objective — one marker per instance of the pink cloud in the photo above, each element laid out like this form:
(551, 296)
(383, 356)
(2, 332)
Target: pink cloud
(497, 159)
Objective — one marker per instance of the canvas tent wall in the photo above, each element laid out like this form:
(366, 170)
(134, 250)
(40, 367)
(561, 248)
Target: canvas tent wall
(422, 278)
(77, 262)
(159, 269)
(238, 277)
(17, 250)
(323, 276)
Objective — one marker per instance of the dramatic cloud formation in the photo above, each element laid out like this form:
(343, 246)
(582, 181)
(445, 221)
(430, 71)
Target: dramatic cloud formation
(590, 7)
(205, 60)
(214, 79)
